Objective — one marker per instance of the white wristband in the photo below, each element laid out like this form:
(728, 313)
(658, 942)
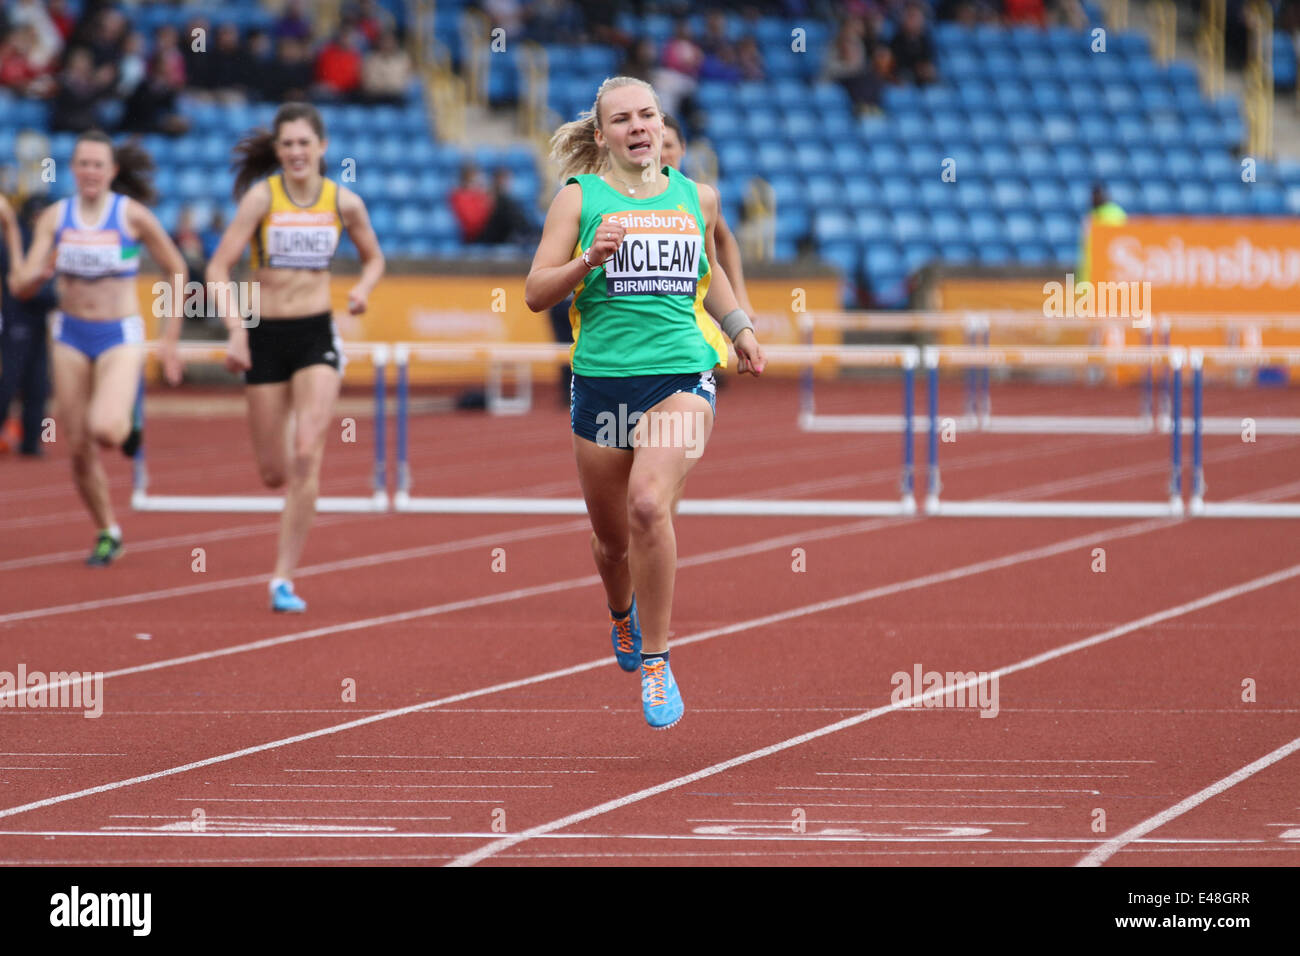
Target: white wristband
(585, 260)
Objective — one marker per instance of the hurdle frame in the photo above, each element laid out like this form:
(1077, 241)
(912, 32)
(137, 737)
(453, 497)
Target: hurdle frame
(905, 357)
(377, 501)
(1197, 505)
(1243, 331)
(993, 508)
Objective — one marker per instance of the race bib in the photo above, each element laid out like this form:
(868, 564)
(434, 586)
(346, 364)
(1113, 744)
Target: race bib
(296, 240)
(659, 255)
(89, 256)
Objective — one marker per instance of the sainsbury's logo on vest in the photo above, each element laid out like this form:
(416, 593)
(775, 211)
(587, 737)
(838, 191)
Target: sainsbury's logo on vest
(654, 220)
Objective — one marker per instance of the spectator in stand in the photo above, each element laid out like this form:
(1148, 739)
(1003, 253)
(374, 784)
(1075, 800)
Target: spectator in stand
(166, 43)
(289, 77)
(80, 89)
(190, 242)
(1019, 12)
(640, 62)
(386, 71)
(18, 71)
(720, 54)
(131, 69)
(107, 45)
(678, 76)
(63, 21)
(261, 55)
(212, 235)
(372, 20)
(338, 67)
(913, 48)
(509, 222)
(598, 25)
(229, 73)
(471, 203)
(849, 66)
(750, 60)
(292, 23)
(47, 38)
(151, 107)
(552, 21)
(506, 14)
(24, 344)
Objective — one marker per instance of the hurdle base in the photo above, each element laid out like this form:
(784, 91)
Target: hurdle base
(718, 507)
(1055, 509)
(1245, 509)
(270, 504)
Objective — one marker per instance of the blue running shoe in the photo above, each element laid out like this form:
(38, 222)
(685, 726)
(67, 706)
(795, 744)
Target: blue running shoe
(283, 599)
(660, 699)
(626, 637)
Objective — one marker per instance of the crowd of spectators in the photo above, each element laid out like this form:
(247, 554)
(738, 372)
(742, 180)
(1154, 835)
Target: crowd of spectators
(490, 216)
(97, 71)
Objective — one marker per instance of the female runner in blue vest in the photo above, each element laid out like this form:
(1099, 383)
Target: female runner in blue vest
(634, 243)
(91, 243)
(291, 356)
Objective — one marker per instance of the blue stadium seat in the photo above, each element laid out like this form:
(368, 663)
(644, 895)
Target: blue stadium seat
(832, 225)
(993, 254)
(1032, 253)
(1195, 197)
(1061, 229)
(1023, 227)
(1234, 199)
(1065, 251)
(882, 259)
(911, 225)
(1159, 198)
(957, 253)
(1267, 199)
(917, 254)
(842, 255)
(984, 227)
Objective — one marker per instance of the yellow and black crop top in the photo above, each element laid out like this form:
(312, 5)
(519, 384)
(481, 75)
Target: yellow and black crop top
(291, 236)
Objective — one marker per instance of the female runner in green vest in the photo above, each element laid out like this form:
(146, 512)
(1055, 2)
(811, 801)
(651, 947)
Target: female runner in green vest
(633, 241)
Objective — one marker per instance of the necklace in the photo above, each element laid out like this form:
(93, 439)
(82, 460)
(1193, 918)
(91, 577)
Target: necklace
(630, 189)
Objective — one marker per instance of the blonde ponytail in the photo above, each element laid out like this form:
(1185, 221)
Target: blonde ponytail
(573, 147)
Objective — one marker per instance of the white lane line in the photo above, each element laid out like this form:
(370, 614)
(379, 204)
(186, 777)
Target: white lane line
(405, 786)
(984, 839)
(1134, 834)
(1017, 776)
(475, 757)
(980, 567)
(346, 564)
(377, 770)
(1004, 759)
(852, 528)
(910, 806)
(938, 789)
(491, 849)
(199, 801)
(261, 816)
(155, 544)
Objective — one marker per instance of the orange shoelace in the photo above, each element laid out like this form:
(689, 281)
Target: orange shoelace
(653, 671)
(624, 629)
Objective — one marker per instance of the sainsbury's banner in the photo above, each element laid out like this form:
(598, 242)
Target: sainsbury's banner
(1205, 264)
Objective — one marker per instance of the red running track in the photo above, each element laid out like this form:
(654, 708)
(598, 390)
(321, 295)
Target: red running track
(490, 724)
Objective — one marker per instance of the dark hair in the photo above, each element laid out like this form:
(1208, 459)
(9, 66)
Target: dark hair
(676, 127)
(255, 153)
(134, 166)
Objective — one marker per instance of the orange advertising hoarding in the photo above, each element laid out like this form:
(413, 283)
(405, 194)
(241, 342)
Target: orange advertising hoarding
(1207, 265)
